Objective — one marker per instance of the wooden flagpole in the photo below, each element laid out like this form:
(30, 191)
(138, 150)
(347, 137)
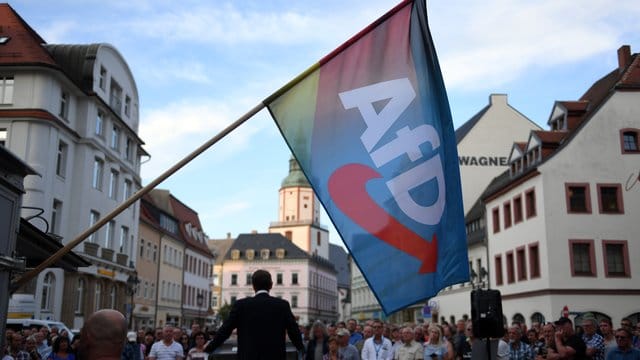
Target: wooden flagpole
(135, 197)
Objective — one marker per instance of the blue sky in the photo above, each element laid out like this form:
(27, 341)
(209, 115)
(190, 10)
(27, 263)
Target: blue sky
(201, 64)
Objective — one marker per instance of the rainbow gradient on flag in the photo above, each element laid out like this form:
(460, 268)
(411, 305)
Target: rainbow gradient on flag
(371, 127)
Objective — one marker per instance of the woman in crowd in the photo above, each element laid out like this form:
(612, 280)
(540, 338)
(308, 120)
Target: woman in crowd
(61, 349)
(318, 343)
(184, 341)
(197, 352)
(149, 339)
(333, 349)
(437, 346)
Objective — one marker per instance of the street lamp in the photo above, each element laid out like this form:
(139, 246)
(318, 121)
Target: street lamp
(132, 284)
(200, 301)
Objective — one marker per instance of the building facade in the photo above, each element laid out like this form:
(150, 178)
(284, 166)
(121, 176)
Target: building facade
(71, 112)
(562, 221)
(342, 262)
(299, 214)
(218, 248)
(307, 282)
(148, 264)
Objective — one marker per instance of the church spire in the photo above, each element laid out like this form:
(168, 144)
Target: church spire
(296, 177)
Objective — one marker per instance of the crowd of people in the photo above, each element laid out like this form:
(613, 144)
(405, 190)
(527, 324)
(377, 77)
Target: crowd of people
(351, 340)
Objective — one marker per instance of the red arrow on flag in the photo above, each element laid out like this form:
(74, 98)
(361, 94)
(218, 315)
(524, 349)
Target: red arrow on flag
(347, 187)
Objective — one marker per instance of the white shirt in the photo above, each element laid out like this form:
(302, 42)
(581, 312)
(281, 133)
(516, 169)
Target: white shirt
(377, 351)
(160, 351)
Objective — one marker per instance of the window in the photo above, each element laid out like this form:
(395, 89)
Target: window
(56, 214)
(61, 159)
(124, 235)
(616, 258)
(115, 138)
(498, 261)
(279, 279)
(3, 136)
(318, 239)
(264, 254)
(97, 303)
(530, 202)
(152, 292)
(629, 141)
(248, 279)
(127, 105)
(98, 170)
(534, 261)
(128, 150)
(510, 268)
(100, 124)
(93, 218)
(79, 296)
(155, 253)
(64, 104)
(127, 187)
(112, 297)
(294, 301)
(517, 209)
(294, 279)
(48, 287)
(233, 300)
(113, 185)
(610, 198)
(280, 253)
(6, 89)
(234, 279)
(582, 256)
(522, 264)
(578, 198)
(496, 219)
(507, 214)
(103, 78)
(108, 237)
(141, 252)
(115, 97)
(214, 301)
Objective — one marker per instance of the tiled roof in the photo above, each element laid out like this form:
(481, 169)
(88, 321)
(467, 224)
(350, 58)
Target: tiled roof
(340, 260)
(550, 137)
(24, 46)
(521, 145)
(186, 215)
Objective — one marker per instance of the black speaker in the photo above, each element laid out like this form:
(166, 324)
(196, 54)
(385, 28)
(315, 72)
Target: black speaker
(486, 314)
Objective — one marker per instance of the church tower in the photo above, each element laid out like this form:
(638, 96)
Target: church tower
(299, 214)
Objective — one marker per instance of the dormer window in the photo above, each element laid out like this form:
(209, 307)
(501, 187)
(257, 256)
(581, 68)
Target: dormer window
(235, 254)
(280, 253)
(250, 254)
(264, 254)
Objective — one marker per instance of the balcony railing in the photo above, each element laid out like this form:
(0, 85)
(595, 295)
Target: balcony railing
(298, 222)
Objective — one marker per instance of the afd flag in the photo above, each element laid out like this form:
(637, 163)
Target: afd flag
(371, 127)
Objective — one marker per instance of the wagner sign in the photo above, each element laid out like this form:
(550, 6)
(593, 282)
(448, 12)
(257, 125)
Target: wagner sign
(482, 160)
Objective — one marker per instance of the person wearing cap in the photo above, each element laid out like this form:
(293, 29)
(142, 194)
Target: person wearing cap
(132, 350)
(346, 351)
(624, 350)
(568, 344)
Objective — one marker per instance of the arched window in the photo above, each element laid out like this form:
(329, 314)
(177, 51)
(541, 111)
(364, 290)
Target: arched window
(97, 303)
(48, 287)
(518, 318)
(112, 297)
(537, 317)
(79, 296)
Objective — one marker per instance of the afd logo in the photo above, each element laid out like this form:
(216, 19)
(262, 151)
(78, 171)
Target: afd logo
(347, 185)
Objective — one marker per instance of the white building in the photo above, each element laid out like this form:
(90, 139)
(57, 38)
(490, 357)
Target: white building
(307, 282)
(71, 112)
(563, 222)
(483, 144)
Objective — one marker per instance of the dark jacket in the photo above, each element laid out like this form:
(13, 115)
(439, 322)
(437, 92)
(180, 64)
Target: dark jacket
(131, 351)
(261, 321)
(311, 347)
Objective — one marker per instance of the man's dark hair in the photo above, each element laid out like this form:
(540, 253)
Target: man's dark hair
(626, 331)
(261, 280)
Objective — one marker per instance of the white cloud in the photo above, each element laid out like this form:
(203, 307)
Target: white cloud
(485, 44)
(168, 71)
(173, 131)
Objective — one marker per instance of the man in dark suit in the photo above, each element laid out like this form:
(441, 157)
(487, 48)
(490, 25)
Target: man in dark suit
(261, 322)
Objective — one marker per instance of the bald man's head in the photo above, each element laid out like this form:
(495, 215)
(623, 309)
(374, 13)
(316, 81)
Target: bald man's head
(103, 335)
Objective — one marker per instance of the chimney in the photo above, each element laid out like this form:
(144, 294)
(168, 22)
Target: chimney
(228, 235)
(254, 231)
(495, 99)
(624, 57)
